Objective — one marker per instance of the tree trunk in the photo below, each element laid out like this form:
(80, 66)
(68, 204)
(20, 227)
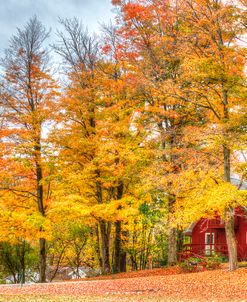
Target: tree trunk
(172, 246)
(98, 245)
(22, 261)
(118, 230)
(119, 255)
(117, 244)
(229, 218)
(123, 261)
(172, 235)
(167, 144)
(105, 230)
(231, 239)
(123, 254)
(42, 260)
(40, 201)
(227, 164)
(180, 240)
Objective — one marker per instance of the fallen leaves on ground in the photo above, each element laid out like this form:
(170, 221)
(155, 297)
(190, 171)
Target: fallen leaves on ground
(219, 285)
(138, 274)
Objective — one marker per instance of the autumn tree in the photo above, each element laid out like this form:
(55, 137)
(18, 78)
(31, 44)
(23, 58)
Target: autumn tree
(27, 100)
(213, 80)
(97, 139)
(150, 44)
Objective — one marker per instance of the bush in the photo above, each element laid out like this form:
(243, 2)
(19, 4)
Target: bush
(195, 264)
(213, 262)
(192, 264)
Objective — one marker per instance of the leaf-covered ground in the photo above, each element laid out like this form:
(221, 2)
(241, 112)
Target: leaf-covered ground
(219, 285)
(137, 274)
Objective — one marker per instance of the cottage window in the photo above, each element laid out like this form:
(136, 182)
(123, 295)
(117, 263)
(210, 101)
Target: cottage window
(209, 243)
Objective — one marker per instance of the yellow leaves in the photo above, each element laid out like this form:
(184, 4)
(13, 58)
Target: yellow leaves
(70, 206)
(21, 224)
(208, 197)
(114, 210)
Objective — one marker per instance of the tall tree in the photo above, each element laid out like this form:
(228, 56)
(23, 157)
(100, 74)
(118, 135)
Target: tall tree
(213, 79)
(149, 30)
(96, 138)
(79, 52)
(27, 100)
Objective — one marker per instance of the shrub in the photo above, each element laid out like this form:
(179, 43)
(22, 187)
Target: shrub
(191, 264)
(195, 264)
(213, 262)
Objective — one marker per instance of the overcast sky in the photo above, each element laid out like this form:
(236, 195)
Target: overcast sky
(15, 13)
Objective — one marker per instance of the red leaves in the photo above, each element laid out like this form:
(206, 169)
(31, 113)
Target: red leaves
(144, 273)
(136, 11)
(210, 285)
(106, 49)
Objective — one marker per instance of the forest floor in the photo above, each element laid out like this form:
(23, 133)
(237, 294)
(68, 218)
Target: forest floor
(158, 285)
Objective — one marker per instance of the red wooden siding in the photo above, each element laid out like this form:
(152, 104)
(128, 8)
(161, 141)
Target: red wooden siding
(241, 234)
(216, 239)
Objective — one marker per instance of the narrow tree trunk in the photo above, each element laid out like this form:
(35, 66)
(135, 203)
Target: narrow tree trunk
(172, 246)
(40, 201)
(42, 259)
(22, 260)
(229, 218)
(118, 230)
(180, 240)
(167, 144)
(105, 229)
(227, 164)
(123, 254)
(117, 244)
(98, 245)
(172, 235)
(60, 258)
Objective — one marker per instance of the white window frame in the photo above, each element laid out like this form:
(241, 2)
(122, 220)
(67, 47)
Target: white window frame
(209, 247)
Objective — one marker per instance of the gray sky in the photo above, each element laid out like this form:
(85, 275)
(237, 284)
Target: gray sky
(15, 13)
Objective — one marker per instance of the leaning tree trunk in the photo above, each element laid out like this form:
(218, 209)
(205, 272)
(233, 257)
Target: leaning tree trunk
(229, 218)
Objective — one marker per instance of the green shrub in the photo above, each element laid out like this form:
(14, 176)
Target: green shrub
(213, 262)
(195, 264)
(192, 264)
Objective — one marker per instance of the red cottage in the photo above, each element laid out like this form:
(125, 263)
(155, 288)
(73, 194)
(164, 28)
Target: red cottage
(207, 236)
